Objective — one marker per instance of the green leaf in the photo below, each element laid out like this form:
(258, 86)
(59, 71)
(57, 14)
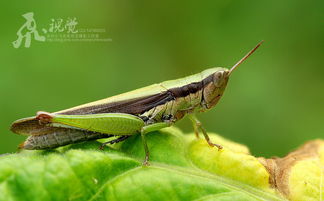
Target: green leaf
(182, 168)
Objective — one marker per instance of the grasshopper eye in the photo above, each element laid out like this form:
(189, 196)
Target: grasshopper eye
(218, 78)
(219, 74)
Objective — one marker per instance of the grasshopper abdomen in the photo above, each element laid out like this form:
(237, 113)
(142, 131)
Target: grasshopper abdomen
(60, 137)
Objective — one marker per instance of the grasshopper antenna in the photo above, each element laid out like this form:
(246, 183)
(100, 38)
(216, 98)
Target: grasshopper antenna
(245, 57)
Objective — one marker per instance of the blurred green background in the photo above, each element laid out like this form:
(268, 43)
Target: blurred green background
(273, 102)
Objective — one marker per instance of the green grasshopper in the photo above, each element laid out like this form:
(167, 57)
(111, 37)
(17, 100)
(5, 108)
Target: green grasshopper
(136, 112)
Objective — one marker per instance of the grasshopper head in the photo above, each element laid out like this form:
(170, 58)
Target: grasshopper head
(213, 91)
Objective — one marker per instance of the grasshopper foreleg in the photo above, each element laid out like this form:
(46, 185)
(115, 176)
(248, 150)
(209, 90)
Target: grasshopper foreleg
(198, 126)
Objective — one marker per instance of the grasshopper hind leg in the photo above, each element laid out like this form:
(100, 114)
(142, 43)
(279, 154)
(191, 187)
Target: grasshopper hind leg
(119, 139)
(198, 126)
(147, 152)
(147, 129)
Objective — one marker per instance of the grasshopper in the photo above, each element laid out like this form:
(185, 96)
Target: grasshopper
(136, 112)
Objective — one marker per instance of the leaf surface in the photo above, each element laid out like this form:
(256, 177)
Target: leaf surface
(181, 168)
